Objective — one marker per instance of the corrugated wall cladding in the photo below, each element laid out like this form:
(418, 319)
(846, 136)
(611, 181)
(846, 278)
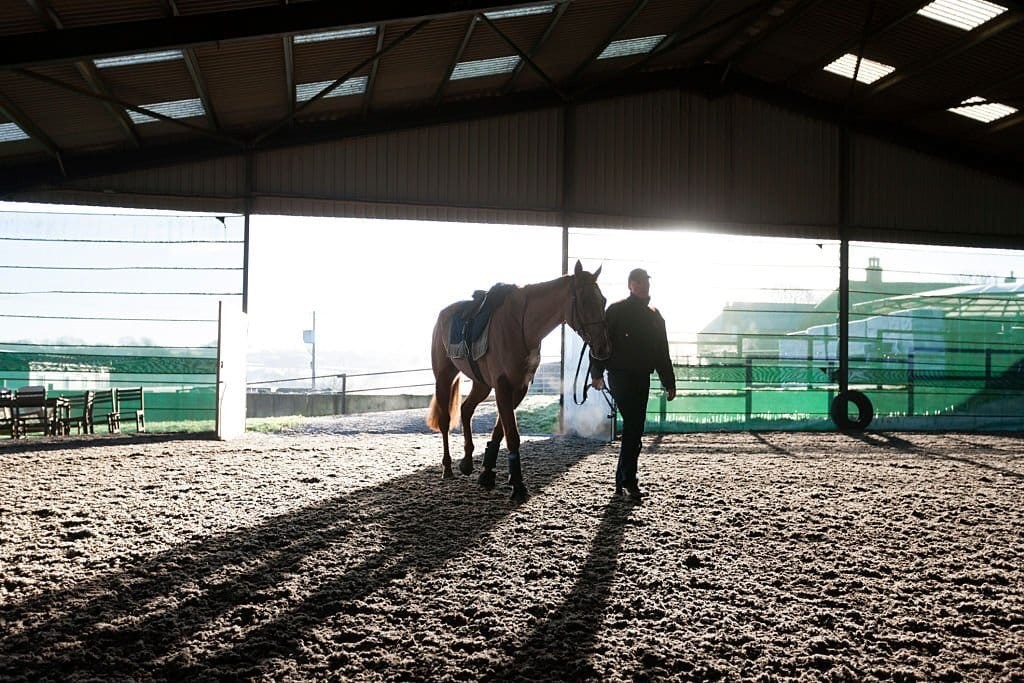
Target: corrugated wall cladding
(900, 195)
(511, 163)
(217, 185)
(663, 160)
(674, 156)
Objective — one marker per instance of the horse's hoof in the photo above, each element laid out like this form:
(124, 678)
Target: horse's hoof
(466, 466)
(448, 474)
(487, 479)
(519, 494)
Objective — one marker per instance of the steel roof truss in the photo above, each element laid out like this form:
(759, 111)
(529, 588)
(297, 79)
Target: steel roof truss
(971, 39)
(556, 16)
(456, 58)
(638, 7)
(525, 58)
(372, 80)
(107, 40)
(14, 113)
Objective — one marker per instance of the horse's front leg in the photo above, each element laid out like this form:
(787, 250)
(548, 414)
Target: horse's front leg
(477, 393)
(507, 399)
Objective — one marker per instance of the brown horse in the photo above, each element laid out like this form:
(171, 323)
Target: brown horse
(517, 326)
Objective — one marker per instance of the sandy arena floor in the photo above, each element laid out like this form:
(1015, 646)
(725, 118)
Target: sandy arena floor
(336, 552)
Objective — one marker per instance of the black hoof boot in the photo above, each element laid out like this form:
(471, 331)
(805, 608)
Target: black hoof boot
(519, 493)
(466, 465)
(486, 479)
(515, 475)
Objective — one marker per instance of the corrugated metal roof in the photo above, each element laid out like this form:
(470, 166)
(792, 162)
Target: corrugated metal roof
(239, 54)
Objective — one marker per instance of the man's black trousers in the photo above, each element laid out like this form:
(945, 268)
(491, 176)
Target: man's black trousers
(630, 389)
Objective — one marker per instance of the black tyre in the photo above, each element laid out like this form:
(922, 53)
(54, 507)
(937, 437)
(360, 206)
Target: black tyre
(840, 412)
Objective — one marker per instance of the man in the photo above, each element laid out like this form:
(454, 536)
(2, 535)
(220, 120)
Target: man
(639, 346)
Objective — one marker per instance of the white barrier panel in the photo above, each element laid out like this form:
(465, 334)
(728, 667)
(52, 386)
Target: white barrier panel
(232, 341)
(593, 418)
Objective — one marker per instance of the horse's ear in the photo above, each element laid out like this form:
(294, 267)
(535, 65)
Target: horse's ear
(598, 271)
(579, 267)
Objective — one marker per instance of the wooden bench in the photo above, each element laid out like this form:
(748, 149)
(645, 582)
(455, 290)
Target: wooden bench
(129, 396)
(104, 406)
(30, 411)
(79, 414)
(7, 412)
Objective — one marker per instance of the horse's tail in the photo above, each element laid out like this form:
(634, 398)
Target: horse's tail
(434, 411)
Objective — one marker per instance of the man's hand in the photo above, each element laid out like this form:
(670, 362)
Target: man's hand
(598, 383)
(670, 394)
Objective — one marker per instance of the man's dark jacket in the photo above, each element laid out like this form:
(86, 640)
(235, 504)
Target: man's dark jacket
(639, 342)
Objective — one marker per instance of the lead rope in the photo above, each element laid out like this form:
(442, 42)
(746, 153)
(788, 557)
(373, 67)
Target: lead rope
(586, 385)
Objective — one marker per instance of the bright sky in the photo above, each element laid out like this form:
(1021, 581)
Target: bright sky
(377, 286)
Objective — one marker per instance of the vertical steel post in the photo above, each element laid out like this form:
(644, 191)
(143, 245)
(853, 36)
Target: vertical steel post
(568, 183)
(245, 247)
(844, 259)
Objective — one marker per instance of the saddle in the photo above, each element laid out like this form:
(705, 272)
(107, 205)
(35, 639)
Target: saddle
(467, 336)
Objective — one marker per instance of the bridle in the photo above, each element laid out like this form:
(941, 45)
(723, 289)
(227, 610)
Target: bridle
(582, 326)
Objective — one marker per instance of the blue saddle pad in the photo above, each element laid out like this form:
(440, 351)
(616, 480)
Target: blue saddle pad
(471, 319)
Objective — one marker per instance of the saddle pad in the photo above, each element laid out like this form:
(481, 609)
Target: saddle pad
(473, 350)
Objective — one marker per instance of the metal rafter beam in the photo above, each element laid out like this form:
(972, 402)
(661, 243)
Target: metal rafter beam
(105, 40)
(217, 135)
(559, 11)
(12, 112)
(196, 74)
(371, 81)
(526, 58)
(683, 35)
(638, 7)
(88, 71)
(980, 90)
(972, 39)
(289, 72)
(259, 139)
(439, 93)
(826, 59)
(1001, 125)
(788, 16)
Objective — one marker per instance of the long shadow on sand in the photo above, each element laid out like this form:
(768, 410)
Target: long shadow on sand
(891, 441)
(560, 647)
(136, 623)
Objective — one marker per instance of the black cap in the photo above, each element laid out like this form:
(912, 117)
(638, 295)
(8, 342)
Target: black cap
(638, 274)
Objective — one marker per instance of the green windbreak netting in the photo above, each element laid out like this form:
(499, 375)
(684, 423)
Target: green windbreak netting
(97, 300)
(934, 332)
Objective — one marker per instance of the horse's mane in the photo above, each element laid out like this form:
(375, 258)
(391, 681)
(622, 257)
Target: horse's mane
(535, 287)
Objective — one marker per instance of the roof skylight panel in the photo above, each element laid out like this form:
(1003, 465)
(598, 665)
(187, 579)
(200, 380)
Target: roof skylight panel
(980, 109)
(630, 46)
(340, 34)
(141, 58)
(9, 132)
(176, 109)
(869, 71)
(485, 67)
(528, 11)
(964, 14)
(353, 86)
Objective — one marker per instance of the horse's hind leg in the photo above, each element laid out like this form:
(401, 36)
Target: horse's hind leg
(444, 389)
(476, 394)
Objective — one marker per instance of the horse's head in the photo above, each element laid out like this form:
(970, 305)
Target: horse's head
(587, 315)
